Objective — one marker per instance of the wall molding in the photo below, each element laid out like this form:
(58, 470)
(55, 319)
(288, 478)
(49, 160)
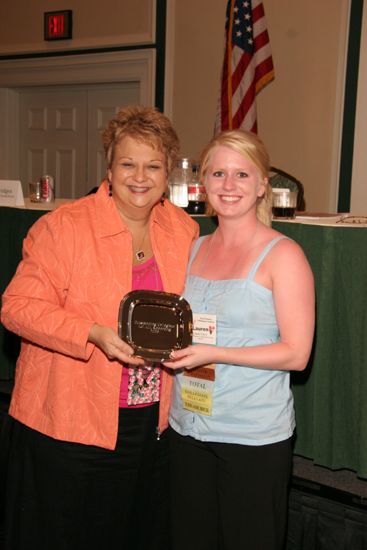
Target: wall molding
(121, 66)
(95, 68)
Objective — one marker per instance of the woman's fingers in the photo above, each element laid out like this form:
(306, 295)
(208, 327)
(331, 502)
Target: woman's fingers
(111, 344)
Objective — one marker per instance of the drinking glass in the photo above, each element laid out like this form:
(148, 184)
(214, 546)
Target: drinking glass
(284, 204)
(34, 188)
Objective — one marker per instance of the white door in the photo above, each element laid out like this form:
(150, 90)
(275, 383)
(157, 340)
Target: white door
(103, 103)
(60, 133)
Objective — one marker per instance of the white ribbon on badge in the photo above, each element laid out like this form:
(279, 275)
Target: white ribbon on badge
(204, 329)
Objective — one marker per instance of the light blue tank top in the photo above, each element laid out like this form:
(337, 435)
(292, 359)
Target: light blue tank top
(250, 406)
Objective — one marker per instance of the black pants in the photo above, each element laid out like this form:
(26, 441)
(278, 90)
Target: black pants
(66, 496)
(228, 497)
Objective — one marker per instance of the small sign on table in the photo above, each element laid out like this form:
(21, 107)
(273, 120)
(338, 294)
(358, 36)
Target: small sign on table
(11, 193)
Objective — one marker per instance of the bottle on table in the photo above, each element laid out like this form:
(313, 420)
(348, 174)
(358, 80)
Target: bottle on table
(196, 193)
(179, 181)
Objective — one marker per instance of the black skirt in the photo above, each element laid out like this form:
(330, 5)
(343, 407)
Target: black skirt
(68, 496)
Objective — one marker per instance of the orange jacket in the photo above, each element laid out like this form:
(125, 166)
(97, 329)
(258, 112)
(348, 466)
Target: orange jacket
(76, 267)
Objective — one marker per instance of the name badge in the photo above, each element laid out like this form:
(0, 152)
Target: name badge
(204, 329)
(198, 384)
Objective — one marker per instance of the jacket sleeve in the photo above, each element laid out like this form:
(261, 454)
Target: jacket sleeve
(33, 305)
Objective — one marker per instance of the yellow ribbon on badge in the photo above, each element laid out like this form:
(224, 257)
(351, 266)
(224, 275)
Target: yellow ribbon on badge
(197, 390)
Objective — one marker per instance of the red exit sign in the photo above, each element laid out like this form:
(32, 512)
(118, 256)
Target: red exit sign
(58, 25)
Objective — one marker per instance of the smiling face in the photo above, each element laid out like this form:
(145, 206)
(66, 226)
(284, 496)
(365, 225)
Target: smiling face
(138, 175)
(233, 183)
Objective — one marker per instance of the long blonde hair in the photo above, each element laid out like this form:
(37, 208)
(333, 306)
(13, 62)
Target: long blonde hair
(253, 149)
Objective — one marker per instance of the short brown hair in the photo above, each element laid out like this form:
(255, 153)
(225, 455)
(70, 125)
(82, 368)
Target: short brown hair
(145, 124)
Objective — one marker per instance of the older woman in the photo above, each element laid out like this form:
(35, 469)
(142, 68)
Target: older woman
(87, 466)
(232, 408)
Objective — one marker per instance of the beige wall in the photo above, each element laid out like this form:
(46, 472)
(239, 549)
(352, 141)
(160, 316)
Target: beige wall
(95, 23)
(299, 113)
(198, 55)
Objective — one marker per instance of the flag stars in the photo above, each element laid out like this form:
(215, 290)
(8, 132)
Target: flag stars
(242, 24)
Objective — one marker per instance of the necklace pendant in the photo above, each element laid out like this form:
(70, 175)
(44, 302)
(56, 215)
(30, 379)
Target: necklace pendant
(139, 255)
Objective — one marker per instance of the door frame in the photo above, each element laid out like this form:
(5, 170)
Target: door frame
(88, 68)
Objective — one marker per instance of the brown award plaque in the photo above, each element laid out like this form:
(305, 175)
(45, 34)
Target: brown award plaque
(155, 323)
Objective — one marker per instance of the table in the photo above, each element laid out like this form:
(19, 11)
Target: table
(331, 394)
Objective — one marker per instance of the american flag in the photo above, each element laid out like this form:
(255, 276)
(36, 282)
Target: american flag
(247, 65)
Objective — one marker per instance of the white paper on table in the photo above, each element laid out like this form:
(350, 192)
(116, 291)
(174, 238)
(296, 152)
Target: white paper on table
(11, 193)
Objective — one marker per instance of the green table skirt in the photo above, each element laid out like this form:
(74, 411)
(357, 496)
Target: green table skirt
(331, 394)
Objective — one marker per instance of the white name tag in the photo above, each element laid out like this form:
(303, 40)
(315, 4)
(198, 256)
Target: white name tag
(11, 193)
(204, 329)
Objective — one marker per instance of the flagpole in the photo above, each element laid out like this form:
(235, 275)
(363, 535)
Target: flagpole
(229, 64)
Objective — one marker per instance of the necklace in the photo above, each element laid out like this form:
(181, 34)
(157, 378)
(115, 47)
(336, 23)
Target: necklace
(140, 254)
(144, 273)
